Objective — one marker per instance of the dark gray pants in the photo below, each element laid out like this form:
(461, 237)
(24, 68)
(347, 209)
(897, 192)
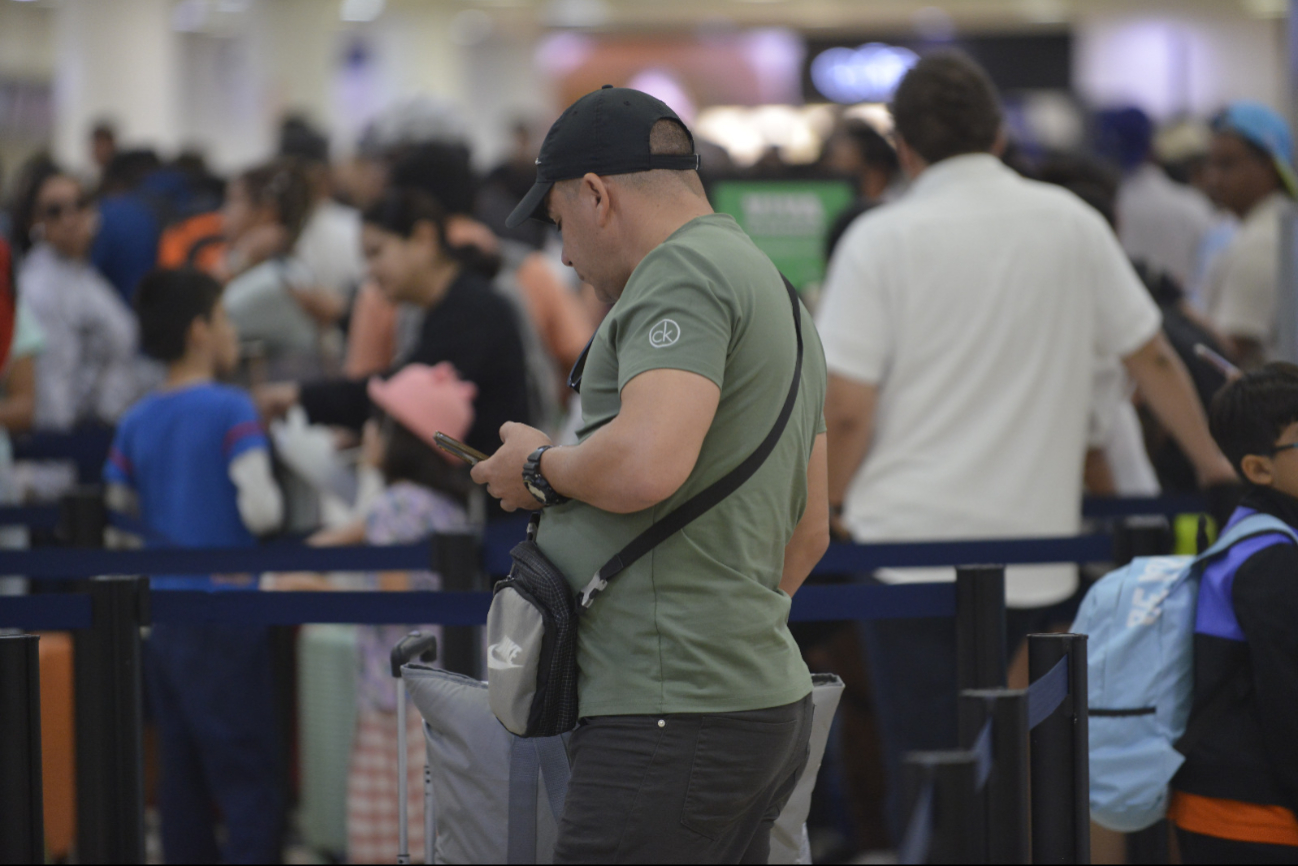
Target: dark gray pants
(690, 788)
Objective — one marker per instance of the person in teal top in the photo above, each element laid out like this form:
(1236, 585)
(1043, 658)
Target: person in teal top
(695, 701)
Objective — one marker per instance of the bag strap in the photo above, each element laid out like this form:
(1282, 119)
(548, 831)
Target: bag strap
(705, 500)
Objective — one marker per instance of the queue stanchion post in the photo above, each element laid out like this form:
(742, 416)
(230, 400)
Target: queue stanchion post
(1060, 757)
(980, 627)
(109, 717)
(22, 807)
(1005, 798)
(944, 783)
(83, 517)
(457, 557)
(1141, 536)
(981, 660)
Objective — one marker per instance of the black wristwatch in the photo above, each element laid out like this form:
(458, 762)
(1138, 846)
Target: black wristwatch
(536, 483)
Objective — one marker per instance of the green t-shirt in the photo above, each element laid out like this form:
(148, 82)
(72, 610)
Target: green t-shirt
(699, 624)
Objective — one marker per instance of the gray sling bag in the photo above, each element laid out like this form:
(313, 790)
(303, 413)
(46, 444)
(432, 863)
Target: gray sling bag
(532, 625)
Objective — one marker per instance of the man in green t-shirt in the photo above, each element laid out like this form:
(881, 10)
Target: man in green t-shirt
(695, 701)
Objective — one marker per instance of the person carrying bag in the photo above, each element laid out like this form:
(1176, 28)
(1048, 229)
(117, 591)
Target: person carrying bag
(648, 611)
(532, 624)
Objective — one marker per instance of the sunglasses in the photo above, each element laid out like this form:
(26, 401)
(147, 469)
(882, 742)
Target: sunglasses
(55, 211)
(1278, 448)
(574, 377)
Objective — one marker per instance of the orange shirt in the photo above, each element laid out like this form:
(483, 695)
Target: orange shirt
(1232, 819)
(200, 237)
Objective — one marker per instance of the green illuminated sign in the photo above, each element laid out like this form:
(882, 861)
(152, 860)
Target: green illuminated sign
(787, 219)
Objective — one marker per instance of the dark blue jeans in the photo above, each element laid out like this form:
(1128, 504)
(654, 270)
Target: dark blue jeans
(210, 693)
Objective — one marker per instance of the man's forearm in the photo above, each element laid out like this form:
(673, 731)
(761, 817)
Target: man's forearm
(811, 536)
(1166, 386)
(849, 419)
(605, 471)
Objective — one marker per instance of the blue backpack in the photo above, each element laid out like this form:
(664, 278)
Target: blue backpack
(1140, 619)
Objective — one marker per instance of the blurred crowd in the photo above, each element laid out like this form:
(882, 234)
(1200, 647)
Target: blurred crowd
(381, 298)
(1197, 212)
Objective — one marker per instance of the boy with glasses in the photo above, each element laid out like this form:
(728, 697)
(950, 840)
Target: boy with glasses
(1234, 798)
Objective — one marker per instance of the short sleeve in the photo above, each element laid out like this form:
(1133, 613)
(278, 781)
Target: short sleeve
(118, 468)
(1246, 304)
(1126, 317)
(674, 320)
(29, 339)
(854, 314)
(243, 432)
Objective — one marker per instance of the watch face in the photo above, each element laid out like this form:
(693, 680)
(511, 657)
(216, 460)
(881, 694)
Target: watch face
(534, 490)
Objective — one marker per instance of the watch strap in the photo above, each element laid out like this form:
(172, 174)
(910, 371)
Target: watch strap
(535, 480)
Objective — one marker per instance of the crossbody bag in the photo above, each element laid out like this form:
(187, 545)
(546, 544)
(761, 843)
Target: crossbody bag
(532, 624)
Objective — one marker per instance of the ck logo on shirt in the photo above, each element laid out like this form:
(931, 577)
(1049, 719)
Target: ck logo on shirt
(500, 656)
(664, 334)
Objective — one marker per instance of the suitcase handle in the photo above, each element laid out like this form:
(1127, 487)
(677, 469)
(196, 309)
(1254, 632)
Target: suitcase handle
(412, 646)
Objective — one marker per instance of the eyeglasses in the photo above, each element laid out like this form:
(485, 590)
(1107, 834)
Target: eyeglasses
(574, 377)
(1278, 448)
(55, 211)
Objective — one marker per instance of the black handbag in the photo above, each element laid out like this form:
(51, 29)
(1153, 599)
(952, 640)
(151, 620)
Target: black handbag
(532, 625)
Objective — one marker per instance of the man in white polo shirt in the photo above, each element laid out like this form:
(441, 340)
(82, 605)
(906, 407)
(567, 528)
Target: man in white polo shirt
(961, 327)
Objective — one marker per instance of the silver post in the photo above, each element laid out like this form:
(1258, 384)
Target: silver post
(430, 821)
(403, 796)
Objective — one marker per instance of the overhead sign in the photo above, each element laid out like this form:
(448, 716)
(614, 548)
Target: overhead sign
(870, 73)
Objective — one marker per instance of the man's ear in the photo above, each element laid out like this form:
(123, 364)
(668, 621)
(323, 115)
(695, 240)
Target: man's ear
(912, 164)
(596, 195)
(1257, 469)
(425, 233)
(198, 333)
(1002, 141)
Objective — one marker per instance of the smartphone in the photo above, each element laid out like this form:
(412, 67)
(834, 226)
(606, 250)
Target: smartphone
(469, 455)
(1226, 368)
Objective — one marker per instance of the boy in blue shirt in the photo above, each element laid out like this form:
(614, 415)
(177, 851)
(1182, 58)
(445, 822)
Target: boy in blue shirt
(1235, 798)
(191, 462)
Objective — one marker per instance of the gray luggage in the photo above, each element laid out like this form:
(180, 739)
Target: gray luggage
(492, 797)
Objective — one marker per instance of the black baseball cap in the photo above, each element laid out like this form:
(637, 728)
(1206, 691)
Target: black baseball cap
(605, 132)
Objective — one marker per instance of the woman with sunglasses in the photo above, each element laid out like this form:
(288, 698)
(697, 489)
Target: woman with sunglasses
(88, 370)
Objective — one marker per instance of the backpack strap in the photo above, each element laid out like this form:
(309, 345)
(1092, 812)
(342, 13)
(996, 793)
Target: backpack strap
(1252, 525)
(1228, 692)
(705, 500)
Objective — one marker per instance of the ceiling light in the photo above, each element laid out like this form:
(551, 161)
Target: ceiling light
(577, 13)
(361, 10)
(867, 74)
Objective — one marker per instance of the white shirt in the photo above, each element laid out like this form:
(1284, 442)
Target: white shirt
(1114, 429)
(330, 248)
(1162, 222)
(88, 370)
(1243, 282)
(979, 304)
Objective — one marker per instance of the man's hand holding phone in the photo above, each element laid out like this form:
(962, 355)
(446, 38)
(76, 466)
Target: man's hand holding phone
(502, 472)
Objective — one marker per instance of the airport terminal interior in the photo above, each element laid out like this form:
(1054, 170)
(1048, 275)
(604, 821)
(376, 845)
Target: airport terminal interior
(259, 259)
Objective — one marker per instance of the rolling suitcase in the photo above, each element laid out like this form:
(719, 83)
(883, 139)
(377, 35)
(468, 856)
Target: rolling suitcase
(414, 646)
(492, 797)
